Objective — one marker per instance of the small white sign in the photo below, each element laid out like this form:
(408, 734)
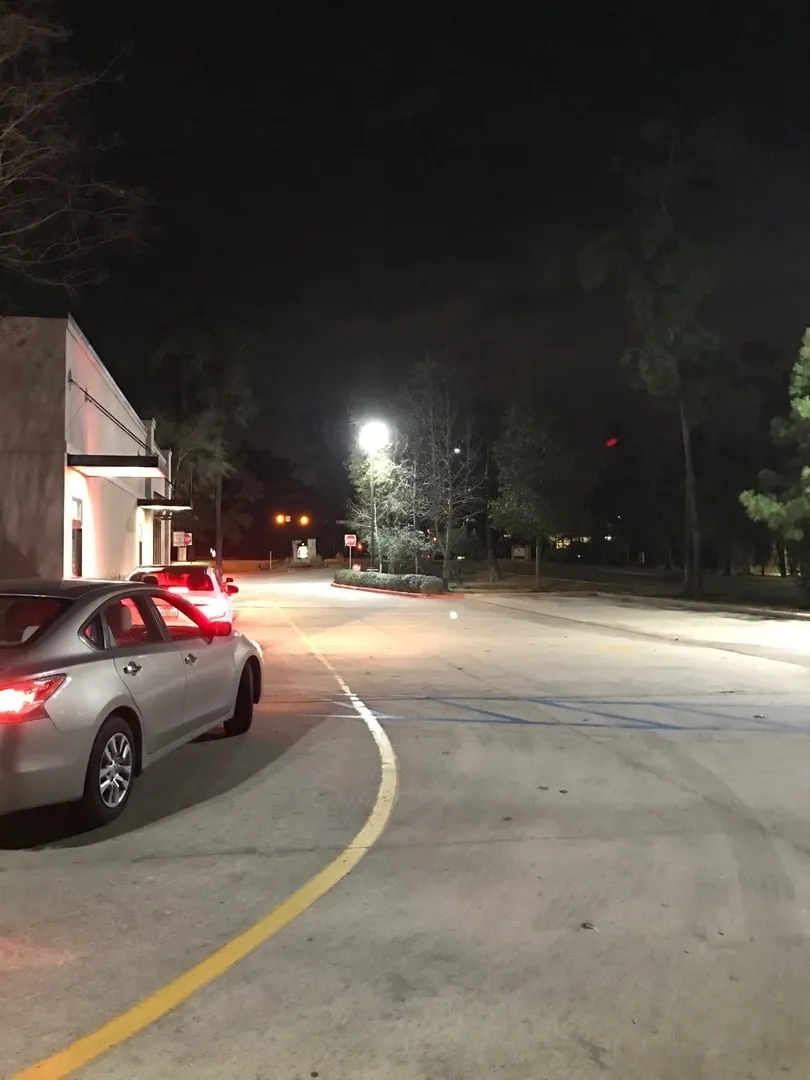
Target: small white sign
(178, 539)
(520, 552)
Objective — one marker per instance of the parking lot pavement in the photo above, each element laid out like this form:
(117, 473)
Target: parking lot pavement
(215, 836)
(598, 862)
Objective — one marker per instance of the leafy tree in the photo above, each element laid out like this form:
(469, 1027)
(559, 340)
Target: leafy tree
(400, 540)
(207, 402)
(449, 475)
(668, 269)
(736, 445)
(783, 499)
(57, 218)
(544, 480)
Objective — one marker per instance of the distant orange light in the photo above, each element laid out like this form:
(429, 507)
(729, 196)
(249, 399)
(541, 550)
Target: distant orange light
(303, 520)
(279, 519)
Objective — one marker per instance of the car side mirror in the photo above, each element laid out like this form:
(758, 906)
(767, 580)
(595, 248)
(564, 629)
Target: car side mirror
(222, 629)
(233, 589)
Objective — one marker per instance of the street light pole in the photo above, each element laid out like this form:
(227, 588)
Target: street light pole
(373, 511)
(373, 436)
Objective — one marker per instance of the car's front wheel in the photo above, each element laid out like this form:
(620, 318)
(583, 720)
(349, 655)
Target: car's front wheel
(242, 717)
(110, 772)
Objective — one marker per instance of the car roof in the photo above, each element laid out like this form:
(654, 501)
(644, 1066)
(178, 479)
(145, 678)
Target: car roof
(67, 588)
(173, 566)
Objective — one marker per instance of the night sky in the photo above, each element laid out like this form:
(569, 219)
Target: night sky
(355, 183)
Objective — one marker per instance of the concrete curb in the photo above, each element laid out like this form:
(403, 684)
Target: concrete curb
(395, 592)
(636, 600)
(716, 606)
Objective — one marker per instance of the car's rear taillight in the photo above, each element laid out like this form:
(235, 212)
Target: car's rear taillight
(25, 700)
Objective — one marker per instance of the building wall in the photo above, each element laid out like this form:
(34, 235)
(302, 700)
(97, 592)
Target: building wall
(111, 520)
(47, 368)
(32, 446)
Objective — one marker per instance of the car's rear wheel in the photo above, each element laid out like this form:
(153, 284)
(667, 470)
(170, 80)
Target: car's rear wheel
(242, 717)
(110, 772)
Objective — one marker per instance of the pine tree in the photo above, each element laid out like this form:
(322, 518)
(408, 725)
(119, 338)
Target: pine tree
(783, 499)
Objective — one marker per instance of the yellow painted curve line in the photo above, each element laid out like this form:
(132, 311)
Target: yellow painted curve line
(87, 1049)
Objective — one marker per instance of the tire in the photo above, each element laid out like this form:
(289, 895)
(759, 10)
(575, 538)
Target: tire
(112, 761)
(239, 723)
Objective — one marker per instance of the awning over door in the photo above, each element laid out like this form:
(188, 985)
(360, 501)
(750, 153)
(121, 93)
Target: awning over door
(125, 465)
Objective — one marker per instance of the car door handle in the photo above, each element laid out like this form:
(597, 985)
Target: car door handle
(190, 659)
(132, 668)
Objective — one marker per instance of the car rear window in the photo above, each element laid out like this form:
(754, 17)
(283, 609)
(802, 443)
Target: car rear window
(23, 618)
(178, 580)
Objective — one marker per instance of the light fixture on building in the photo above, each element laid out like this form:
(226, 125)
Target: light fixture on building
(304, 519)
(157, 502)
(122, 465)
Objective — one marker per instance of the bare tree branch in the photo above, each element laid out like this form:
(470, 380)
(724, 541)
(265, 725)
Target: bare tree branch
(447, 459)
(57, 219)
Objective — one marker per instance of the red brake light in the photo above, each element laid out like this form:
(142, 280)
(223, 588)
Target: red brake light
(21, 701)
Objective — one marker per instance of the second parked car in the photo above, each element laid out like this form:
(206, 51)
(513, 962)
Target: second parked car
(198, 583)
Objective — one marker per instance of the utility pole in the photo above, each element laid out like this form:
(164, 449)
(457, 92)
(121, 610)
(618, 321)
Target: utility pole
(218, 514)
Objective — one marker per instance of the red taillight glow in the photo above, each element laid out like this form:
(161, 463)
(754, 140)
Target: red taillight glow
(23, 701)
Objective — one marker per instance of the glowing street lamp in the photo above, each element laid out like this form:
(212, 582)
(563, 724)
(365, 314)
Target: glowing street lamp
(371, 438)
(304, 519)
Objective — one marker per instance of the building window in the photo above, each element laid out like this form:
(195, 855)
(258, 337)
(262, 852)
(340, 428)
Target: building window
(76, 539)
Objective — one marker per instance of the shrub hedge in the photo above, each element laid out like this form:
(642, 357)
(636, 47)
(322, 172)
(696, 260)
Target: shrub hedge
(406, 583)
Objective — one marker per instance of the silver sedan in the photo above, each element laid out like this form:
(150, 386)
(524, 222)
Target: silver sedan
(100, 679)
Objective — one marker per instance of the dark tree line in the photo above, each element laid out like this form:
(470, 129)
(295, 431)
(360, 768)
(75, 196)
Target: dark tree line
(667, 493)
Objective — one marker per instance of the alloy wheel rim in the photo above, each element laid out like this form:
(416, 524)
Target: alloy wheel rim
(115, 771)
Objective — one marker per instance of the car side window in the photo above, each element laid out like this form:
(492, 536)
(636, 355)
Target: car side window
(180, 624)
(93, 632)
(129, 623)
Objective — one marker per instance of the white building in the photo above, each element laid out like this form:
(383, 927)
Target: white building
(84, 490)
